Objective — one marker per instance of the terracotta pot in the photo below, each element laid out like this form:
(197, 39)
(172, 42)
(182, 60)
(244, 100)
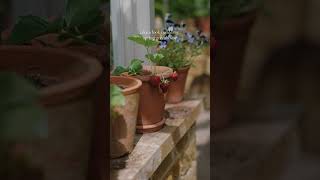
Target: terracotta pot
(68, 102)
(100, 51)
(176, 89)
(203, 23)
(152, 102)
(232, 39)
(123, 127)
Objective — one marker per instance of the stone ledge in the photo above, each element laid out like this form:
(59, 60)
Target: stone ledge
(151, 149)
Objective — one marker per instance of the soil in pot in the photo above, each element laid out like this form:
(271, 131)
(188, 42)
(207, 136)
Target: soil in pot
(176, 89)
(152, 103)
(64, 154)
(123, 125)
(40, 80)
(232, 37)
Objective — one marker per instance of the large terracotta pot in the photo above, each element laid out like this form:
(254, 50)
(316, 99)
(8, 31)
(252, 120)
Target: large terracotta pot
(101, 52)
(68, 102)
(176, 89)
(152, 102)
(232, 39)
(123, 125)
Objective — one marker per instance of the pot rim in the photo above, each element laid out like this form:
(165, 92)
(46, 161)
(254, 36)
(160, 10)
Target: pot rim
(183, 69)
(145, 78)
(132, 89)
(166, 74)
(92, 73)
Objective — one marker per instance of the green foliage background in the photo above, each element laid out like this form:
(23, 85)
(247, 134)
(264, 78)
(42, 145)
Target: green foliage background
(222, 9)
(182, 9)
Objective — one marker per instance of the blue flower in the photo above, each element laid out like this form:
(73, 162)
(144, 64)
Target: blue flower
(170, 29)
(177, 39)
(177, 27)
(204, 39)
(182, 27)
(163, 44)
(169, 23)
(199, 32)
(190, 38)
(168, 37)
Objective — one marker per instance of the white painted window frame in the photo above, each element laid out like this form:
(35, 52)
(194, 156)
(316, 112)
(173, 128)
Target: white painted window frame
(129, 17)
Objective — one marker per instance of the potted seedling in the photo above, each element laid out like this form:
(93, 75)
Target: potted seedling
(65, 82)
(232, 20)
(83, 28)
(154, 84)
(124, 103)
(179, 48)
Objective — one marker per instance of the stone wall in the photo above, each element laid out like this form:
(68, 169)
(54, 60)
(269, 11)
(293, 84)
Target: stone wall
(167, 154)
(181, 162)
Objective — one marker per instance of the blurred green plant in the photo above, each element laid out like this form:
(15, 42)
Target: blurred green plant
(222, 9)
(81, 22)
(183, 9)
(135, 67)
(116, 96)
(178, 46)
(116, 99)
(20, 116)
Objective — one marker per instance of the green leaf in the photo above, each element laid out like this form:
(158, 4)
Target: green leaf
(151, 42)
(137, 38)
(27, 28)
(155, 58)
(80, 12)
(56, 26)
(20, 116)
(119, 70)
(135, 66)
(116, 96)
(146, 42)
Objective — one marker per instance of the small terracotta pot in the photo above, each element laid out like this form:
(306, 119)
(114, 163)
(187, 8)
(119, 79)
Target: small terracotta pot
(68, 104)
(232, 37)
(176, 89)
(123, 127)
(152, 102)
(203, 23)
